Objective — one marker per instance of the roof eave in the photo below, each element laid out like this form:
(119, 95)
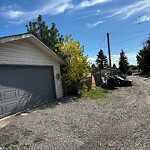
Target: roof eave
(14, 37)
(36, 41)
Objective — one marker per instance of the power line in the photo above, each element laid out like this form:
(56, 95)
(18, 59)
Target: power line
(131, 48)
(99, 46)
(129, 39)
(96, 47)
(119, 29)
(118, 42)
(128, 50)
(135, 32)
(123, 27)
(93, 49)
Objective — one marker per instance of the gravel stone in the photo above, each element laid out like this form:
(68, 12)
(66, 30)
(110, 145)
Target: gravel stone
(121, 121)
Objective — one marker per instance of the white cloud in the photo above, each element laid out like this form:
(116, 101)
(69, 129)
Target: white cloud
(91, 60)
(51, 8)
(92, 25)
(87, 14)
(89, 3)
(144, 18)
(115, 59)
(15, 14)
(62, 8)
(98, 10)
(130, 10)
(55, 7)
(131, 58)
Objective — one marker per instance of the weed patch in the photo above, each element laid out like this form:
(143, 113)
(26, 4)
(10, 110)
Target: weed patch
(15, 146)
(95, 93)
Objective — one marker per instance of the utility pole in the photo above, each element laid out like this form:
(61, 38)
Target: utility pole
(109, 54)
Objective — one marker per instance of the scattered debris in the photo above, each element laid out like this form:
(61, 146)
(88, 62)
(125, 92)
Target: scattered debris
(24, 114)
(59, 103)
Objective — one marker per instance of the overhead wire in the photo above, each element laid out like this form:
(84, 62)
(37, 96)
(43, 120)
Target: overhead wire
(99, 46)
(129, 39)
(129, 49)
(95, 50)
(122, 27)
(119, 29)
(125, 40)
(115, 31)
(117, 42)
(134, 32)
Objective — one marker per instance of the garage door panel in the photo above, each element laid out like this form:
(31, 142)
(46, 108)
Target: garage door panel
(11, 108)
(27, 101)
(0, 97)
(1, 111)
(23, 87)
(9, 95)
(21, 93)
(24, 104)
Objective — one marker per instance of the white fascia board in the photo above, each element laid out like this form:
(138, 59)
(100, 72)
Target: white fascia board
(14, 37)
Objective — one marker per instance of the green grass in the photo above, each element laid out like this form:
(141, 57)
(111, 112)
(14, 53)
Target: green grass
(95, 93)
(15, 146)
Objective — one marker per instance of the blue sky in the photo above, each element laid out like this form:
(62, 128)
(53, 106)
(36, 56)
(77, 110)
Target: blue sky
(127, 21)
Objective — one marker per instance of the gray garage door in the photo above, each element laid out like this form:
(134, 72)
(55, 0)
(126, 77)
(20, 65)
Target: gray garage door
(23, 87)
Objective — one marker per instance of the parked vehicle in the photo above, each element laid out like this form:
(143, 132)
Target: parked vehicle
(122, 76)
(123, 82)
(118, 81)
(112, 82)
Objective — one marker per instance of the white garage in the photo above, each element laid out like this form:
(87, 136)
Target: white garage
(29, 74)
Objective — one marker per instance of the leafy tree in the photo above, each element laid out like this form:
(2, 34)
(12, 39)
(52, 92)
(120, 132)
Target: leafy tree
(101, 60)
(76, 66)
(50, 37)
(143, 57)
(123, 63)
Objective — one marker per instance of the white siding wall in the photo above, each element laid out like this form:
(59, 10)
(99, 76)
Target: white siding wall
(24, 52)
(58, 82)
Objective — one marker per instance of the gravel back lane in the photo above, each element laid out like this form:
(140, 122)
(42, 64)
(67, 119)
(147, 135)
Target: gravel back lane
(121, 121)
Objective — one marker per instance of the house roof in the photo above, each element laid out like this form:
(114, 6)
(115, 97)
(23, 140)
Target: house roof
(36, 41)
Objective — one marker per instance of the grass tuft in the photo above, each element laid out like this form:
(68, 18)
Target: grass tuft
(95, 93)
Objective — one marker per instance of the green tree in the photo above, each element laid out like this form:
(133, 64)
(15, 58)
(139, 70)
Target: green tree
(50, 37)
(76, 66)
(123, 63)
(94, 68)
(101, 60)
(143, 57)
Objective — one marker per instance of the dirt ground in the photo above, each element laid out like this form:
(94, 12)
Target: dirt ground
(121, 121)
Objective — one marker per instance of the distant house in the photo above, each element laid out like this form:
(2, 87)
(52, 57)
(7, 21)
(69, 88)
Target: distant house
(133, 70)
(29, 74)
(104, 71)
